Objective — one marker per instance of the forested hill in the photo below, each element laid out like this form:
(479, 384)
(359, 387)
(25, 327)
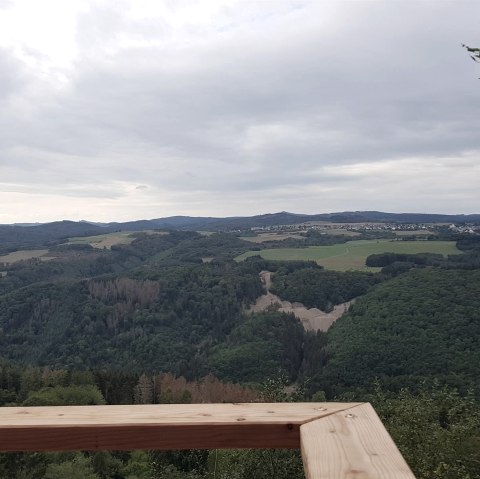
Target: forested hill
(422, 325)
(153, 305)
(14, 237)
(175, 303)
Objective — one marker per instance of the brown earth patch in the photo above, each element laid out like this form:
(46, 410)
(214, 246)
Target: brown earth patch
(312, 319)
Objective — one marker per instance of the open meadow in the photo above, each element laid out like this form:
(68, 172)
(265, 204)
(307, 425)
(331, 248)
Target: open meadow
(109, 239)
(280, 236)
(415, 233)
(104, 241)
(352, 255)
(263, 237)
(24, 255)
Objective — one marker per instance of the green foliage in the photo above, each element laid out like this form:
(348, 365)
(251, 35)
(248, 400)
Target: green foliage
(424, 324)
(13, 237)
(153, 306)
(258, 347)
(436, 430)
(321, 289)
(186, 464)
(107, 466)
(274, 388)
(256, 463)
(169, 471)
(158, 320)
(82, 261)
(314, 358)
(78, 468)
(23, 465)
(386, 259)
(217, 246)
(65, 396)
(139, 466)
(469, 243)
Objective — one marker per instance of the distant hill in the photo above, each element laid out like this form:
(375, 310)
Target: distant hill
(380, 217)
(14, 237)
(44, 234)
(286, 218)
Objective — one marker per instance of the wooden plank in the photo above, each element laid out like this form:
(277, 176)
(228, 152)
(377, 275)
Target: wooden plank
(162, 426)
(351, 444)
(128, 438)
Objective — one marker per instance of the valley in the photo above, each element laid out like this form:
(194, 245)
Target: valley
(173, 315)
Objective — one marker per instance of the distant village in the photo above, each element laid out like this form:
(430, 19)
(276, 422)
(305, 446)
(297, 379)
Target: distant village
(394, 227)
(467, 228)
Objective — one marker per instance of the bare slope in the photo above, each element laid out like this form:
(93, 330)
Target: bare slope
(312, 319)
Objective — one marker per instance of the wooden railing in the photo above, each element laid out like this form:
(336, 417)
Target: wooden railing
(337, 440)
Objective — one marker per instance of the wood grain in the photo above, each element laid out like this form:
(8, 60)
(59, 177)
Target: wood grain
(351, 444)
(338, 440)
(162, 426)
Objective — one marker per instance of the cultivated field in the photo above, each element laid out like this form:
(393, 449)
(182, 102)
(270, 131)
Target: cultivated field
(24, 254)
(339, 232)
(104, 241)
(352, 255)
(415, 233)
(109, 239)
(262, 237)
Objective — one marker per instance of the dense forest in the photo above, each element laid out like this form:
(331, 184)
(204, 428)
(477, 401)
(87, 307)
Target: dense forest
(421, 326)
(164, 319)
(317, 288)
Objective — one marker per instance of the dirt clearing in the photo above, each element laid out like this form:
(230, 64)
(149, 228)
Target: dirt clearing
(312, 319)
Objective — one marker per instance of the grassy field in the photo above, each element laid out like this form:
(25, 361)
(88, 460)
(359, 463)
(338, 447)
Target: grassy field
(109, 239)
(415, 233)
(339, 232)
(262, 237)
(24, 254)
(352, 255)
(104, 241)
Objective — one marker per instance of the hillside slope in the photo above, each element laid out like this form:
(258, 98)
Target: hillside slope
(422, 325)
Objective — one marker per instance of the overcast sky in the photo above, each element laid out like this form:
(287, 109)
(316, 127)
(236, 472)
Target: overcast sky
(118, 110)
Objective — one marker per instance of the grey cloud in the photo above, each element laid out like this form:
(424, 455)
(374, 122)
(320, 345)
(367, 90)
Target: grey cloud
(12, 77)
(275, 106)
